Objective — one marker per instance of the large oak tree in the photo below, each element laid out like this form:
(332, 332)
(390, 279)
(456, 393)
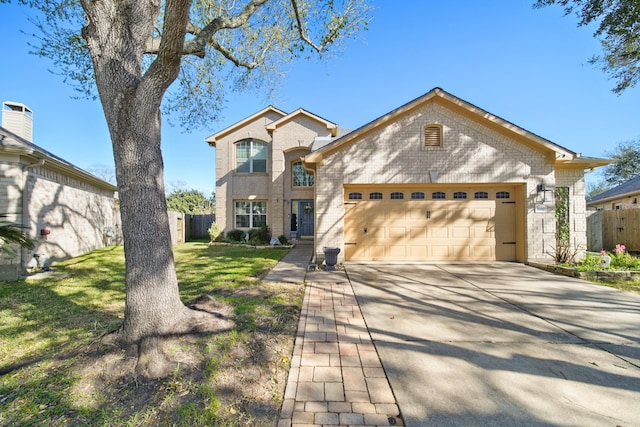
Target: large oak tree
(134, 50)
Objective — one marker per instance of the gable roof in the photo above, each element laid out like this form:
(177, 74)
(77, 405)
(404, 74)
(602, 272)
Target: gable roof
(556, 153)
(12, 143)
(626, 188)
(302, 112)
(270, 109)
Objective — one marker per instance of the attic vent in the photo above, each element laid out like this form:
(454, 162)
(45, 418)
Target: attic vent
(433, 136)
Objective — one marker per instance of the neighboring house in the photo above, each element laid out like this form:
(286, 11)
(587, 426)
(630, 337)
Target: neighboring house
(66, 210)
(435, 179)
(624, 196)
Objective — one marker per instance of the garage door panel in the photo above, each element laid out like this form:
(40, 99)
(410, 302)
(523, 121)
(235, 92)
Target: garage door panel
(439, 232)
(460, 232)
(376, 252)
(482, 252)
(417, 252)
(374, 233)
(417, 233)
(434, 229)
(417, 211)
(397, 252)
(439, 252)
(394, 212)
(461, 251)
(397, 233)
(456, 214)
(482, 214)
(479, 232)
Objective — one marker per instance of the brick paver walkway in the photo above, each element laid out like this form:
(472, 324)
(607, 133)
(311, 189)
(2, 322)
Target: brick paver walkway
(336, 377)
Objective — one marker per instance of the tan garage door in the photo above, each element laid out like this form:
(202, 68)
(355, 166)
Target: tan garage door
(430, 223)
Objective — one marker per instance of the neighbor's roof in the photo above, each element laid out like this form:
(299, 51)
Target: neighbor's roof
(270, 109)
(626, 188)
(560, 155)
(12, 143)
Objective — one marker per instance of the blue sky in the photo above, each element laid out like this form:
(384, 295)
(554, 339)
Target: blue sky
(528, 66)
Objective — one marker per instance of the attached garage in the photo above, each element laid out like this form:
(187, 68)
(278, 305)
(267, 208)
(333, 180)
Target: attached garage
(439, 179)
(432, 223)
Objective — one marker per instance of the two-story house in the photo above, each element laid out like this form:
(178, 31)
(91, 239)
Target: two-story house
(435, 179)
(260, 174)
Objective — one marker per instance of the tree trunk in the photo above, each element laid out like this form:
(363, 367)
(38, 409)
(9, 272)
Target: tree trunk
(152, 300)
(116, 34)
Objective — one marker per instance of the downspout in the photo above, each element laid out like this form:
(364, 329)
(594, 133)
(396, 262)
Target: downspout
(25, 205)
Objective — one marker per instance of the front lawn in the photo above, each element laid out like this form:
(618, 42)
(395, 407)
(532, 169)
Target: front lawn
(54, 371)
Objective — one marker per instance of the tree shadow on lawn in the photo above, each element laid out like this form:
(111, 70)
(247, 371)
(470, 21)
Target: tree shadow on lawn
(229, 378)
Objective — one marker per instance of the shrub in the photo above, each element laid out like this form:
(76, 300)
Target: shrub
(283, 239)
(620, 260)
(259, 236)
(215, 232)
(589, 263)
(236, 235)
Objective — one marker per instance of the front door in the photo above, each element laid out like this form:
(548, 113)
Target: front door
(305, 218)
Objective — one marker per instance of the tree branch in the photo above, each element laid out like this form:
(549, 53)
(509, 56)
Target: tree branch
(153, 44)
(165, 68)
(227, 54)
(196, 46)
(303, 36)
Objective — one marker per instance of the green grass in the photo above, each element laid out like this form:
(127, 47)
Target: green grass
(51, 376)
(620, 261)
(624, 285)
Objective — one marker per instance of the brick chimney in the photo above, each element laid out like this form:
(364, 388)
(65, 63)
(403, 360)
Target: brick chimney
(18, 118)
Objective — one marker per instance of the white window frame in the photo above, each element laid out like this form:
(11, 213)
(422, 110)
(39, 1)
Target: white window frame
(255, 147)
(254, 213)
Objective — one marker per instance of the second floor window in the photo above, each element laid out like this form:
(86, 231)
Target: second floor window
(301, 178)
(251, 157)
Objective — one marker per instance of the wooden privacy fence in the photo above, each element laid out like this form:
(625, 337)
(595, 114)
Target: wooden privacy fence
(185, 227)
(197, 226)
(606, 229)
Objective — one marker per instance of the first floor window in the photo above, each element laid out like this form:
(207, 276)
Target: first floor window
(251, 214)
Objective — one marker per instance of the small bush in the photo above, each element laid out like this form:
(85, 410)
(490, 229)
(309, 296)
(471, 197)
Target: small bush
(623, 260)
(259, 236)
(589, 263)
(620, 260)
(215, 232)
(236, 235)
(283, 239)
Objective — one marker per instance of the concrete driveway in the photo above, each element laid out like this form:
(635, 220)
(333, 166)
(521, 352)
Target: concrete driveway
(502, 344)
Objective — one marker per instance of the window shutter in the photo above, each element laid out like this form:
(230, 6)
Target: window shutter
(432, 136)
